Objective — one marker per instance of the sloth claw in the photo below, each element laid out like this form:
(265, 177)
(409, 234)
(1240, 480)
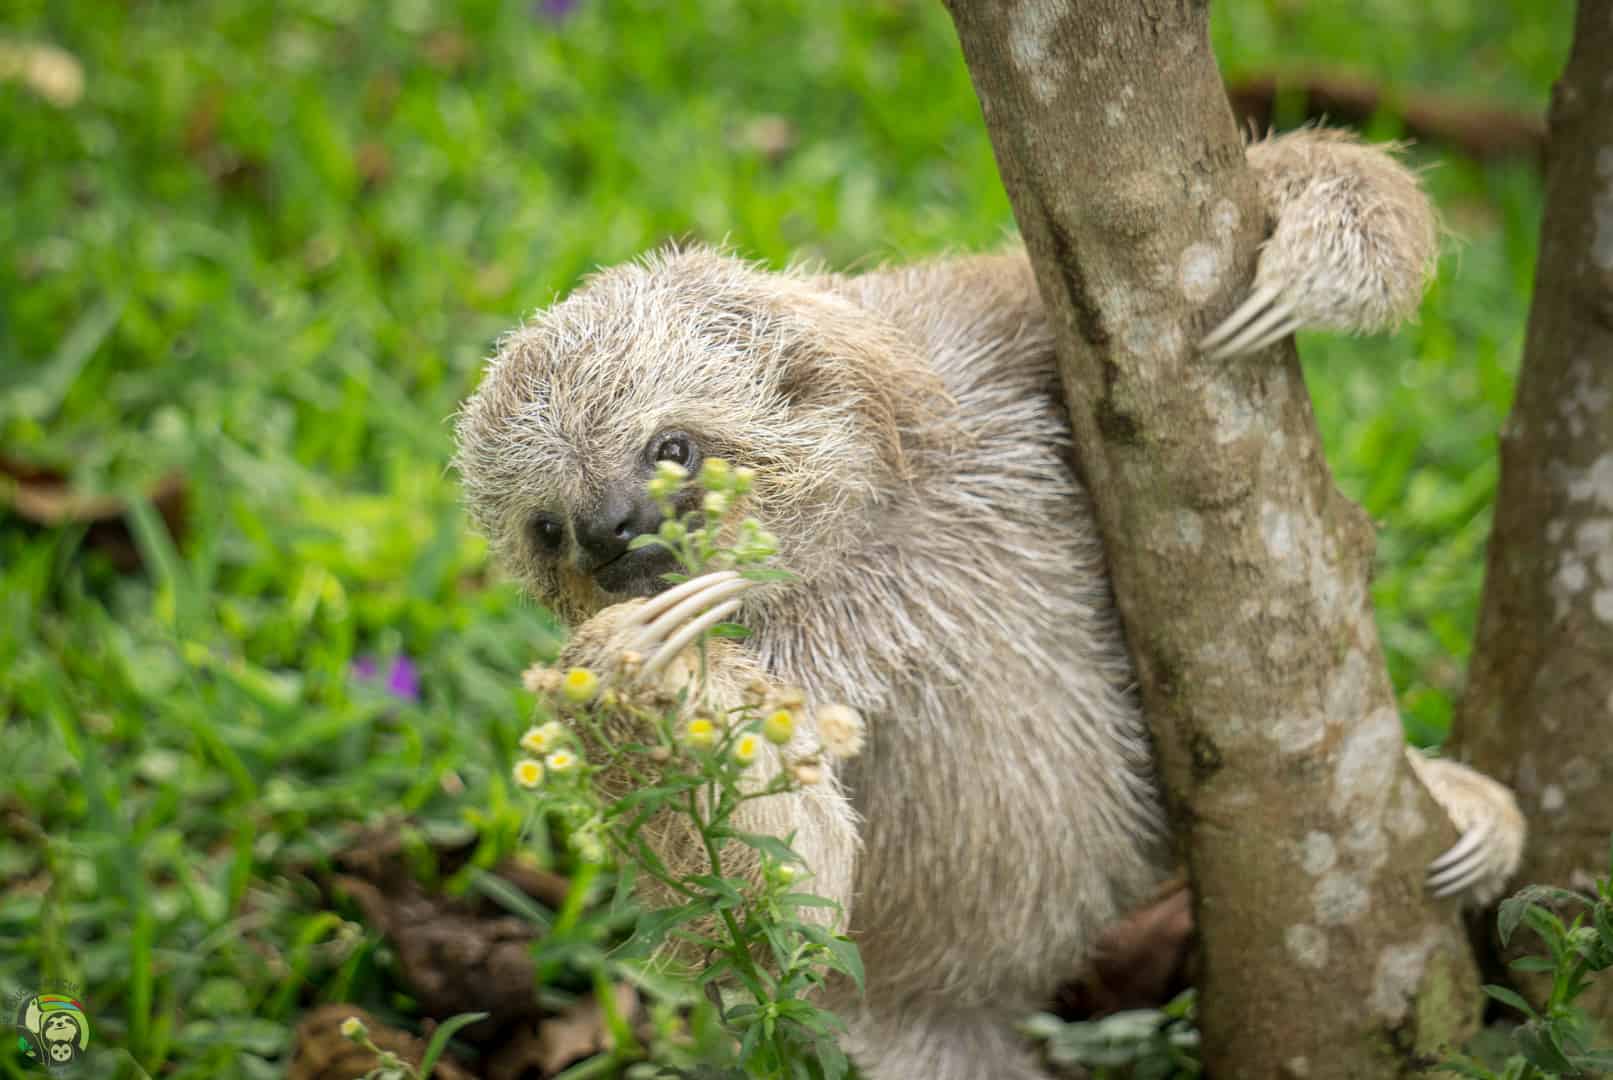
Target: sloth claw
(1266, 317)
(669, 622)
(1464, 865)
(1490, 847)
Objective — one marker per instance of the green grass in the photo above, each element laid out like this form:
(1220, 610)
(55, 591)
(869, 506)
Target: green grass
(269, 248)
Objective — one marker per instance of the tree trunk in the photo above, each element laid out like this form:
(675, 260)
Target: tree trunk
(1241, 572)
(1538, 710)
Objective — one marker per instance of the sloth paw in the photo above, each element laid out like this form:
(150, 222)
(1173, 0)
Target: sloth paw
(1353, 245)
(645, 640)
(1479, 865)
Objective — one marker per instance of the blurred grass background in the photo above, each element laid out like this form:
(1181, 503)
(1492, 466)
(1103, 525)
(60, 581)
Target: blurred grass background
(268, 248)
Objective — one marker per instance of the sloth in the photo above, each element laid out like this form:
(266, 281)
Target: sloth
(912, 453)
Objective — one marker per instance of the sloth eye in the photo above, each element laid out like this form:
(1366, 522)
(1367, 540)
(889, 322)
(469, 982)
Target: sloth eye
(547, 531)
(677, 448)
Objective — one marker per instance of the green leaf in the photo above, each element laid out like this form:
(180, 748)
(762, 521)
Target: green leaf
(511, 899)
(1602, 919)
(1539, 1046)
(655, 925)
(843, 954)
(723, 890)
(41, 393)
(1515, 907)
(440, 1037)
(747, 1045)
(1593, 1060)
(656, 984)
(771, 846)
(1512, 998)
(833, 1059)
(1534, 963)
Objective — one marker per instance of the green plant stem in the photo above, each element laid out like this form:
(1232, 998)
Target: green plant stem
(740, 953)
(627, 1043)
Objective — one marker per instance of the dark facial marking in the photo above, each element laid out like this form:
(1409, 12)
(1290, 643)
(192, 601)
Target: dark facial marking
(548, 532)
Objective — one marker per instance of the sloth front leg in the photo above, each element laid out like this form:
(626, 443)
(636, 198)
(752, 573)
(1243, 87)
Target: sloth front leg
(658, 639)
(1354, 243)
(1486, 856)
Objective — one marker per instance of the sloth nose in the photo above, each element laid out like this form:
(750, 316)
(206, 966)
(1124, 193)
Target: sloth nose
(604, 531)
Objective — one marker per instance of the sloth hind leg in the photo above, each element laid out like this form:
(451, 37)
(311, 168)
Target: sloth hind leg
(1479, 865)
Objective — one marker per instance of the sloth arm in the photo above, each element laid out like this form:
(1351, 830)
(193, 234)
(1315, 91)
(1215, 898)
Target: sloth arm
(1353, 243)
(816, 817)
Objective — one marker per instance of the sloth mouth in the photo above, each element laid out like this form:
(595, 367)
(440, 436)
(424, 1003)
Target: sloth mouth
(636, 573)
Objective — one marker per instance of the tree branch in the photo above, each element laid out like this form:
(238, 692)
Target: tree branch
(1538, 710)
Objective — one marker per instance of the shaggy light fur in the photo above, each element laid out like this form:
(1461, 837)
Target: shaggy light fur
(913, 455)
(1354, 240)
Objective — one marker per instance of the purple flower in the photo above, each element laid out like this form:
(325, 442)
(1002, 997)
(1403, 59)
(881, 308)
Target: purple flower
(402, 677)
(553, 10)
(402, 680)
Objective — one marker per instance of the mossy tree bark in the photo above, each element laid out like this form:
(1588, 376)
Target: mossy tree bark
(1538, 710)
(1240, 570)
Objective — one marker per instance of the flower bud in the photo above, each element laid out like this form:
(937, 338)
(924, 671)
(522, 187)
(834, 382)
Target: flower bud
(778, 727)
(580, 685)
(715, 475)
(700, 733)
(745, 748)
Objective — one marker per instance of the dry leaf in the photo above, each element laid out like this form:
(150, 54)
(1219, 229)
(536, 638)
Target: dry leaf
(322, 1052)
(50, 72)
(45, 497)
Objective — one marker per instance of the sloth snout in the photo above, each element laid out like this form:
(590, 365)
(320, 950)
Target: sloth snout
(605, 530)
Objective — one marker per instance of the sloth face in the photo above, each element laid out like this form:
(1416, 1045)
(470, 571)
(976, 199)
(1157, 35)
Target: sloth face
(593, 539)
(679, 358)
(59, 1027)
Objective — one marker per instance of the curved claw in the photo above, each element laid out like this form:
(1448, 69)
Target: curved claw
(661, 601)
(1266, 317)
(1486, 855)
(668, 623)
(1465, 864)
(682, 638)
